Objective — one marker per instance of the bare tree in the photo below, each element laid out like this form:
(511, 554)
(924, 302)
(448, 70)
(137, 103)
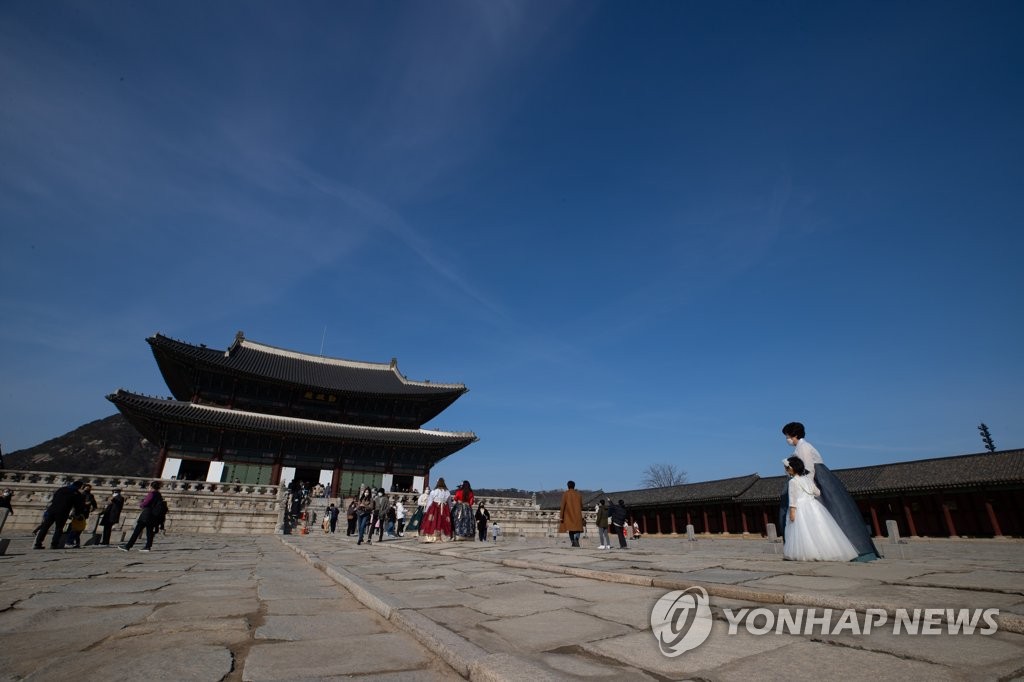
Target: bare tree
(663, 475)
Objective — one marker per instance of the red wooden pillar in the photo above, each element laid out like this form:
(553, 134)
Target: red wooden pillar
(743, 517)
(160, 462)
(673, 517)
(657, 522)
(949, 520)
(874, 520)
(643, 523)
(765, 515)
(992, 518)
(335, 483)
(689, 521)
(909, 517)
(705, 512)
(725, 522)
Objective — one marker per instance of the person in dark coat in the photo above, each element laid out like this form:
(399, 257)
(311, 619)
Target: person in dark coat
(150, 518)
(111, 515)
(332, 516)
(617, 516)
(65, 500)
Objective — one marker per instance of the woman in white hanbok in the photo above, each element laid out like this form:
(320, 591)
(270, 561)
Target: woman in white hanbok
(811, 533)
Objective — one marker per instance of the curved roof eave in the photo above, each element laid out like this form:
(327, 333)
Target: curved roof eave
(302, 369)
(222, 417)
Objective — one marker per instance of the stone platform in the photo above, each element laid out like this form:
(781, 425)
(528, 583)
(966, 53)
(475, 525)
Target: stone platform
(319, 607)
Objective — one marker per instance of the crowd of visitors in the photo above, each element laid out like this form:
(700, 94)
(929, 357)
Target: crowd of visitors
(72, 505)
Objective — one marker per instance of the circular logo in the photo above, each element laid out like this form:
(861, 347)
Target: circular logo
(681, 620)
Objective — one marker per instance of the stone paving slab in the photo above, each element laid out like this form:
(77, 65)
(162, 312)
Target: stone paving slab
(196, 608)
(585, 614)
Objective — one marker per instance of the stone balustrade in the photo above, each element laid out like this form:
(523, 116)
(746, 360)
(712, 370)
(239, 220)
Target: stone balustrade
(229, 508)
(195, 506)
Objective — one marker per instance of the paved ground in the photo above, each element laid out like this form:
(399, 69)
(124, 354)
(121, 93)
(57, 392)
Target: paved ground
(319, 607)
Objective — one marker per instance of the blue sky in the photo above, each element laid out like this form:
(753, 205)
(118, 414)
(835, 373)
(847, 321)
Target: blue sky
(639, 233)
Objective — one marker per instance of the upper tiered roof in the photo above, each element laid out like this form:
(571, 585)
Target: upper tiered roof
(263, 362)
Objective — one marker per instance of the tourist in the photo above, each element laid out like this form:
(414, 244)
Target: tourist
(636, 531)
(416, 521)
(495, 530)
(73, 536)
(65, 500)
(482, 517)
(811, 532)
(617, 515)
(571, 514)
(602, 526)
(381, 505)
(437, 519)
(392, 520)
(332, 516)
(111, 515)
(364, 511)
(151, 518)
(400, 516)
(463, 521)
(350, 518)
(834, 496)
(5, 501)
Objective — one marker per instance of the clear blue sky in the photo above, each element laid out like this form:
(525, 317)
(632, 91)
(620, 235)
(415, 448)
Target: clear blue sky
(639, 232)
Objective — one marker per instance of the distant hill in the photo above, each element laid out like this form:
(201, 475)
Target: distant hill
(105, 446)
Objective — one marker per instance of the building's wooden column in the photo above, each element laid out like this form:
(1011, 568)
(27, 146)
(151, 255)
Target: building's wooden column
(725, 521)
(909, 517)
(874, 520)
(743, 518)
(643, 523)
(992, 518)
(949, 519)
(161, 460)
(335, 483)
(706, 528)
(672, 515)
(657, 521)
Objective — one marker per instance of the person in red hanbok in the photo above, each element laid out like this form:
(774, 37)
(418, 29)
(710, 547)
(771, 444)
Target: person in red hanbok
(437, 520)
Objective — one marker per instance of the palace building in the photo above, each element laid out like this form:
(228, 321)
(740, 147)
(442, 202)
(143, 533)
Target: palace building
(257, 414)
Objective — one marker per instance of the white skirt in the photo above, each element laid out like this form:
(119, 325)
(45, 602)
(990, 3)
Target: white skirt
(815, 536)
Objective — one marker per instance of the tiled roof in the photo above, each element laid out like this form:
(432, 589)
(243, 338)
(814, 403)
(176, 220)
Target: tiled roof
(944, 473)
(218, 417)
(249, 358)
(962, 471)
(707, 491)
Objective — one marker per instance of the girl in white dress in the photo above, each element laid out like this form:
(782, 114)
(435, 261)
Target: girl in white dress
(811, 533)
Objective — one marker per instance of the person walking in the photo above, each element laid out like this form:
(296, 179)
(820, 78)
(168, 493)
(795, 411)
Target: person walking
(834, 495)
(437, 520)
(811, 533)
(151, 518)
(463, 523)
(571, 514)
(66, 499)
(332, 516)
(5, 501)
(617, 516)
(111, 515)
(602, 526)
(400, 516)
(482, 517)
(350, 518)
(364, 512)
(381, 505)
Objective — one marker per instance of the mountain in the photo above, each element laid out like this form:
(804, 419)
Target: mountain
(105, 446)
